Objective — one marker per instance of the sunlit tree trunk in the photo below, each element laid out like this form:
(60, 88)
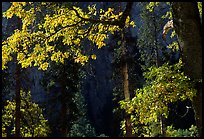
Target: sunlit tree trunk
(126, 85)
(187, 25)
(127, 97)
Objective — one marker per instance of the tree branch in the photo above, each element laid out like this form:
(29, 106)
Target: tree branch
(120, 22)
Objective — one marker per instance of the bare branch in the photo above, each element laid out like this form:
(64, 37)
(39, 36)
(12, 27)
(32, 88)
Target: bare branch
(167, 27)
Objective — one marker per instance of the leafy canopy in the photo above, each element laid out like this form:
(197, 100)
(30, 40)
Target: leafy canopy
(35, 43)
(191, 132)
(165, 85)
(33, 122)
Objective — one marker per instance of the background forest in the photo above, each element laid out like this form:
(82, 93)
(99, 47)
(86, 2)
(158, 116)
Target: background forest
(101, 69)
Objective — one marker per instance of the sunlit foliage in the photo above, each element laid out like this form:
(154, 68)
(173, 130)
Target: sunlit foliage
(35, 44)
(165, 85)
(33, 122)
(200, 8)
(191, 132)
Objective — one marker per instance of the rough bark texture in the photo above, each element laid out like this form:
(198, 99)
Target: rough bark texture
(188, 28)
(126, 85)
(125, 81)
(127, 97)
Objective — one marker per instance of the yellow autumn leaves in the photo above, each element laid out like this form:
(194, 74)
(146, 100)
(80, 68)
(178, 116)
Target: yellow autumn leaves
(6, 56)
(64, 28)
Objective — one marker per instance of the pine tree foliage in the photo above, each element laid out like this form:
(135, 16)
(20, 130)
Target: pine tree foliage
(81, 127)
(150, 44)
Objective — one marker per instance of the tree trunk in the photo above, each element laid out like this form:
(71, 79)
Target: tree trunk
(18, 100)
(63, 104)
(127, 97)
(63, 114)
(187, 25)
(18, 95)
(158, 64)
(126, 85)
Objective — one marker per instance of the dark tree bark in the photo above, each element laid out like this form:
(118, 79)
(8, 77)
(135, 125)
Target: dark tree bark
(127, 97)
(125, 68)
(126, 85)
(187, 25)
(17, 89)
(63, 114)
(18, 100)
(63, 104)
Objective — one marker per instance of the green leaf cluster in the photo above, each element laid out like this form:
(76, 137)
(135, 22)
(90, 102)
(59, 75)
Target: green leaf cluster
(150, 43)
(33, 122)
(165, 85)
(191, 132)
(81, 127)
(151, 5)
(200, 8)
